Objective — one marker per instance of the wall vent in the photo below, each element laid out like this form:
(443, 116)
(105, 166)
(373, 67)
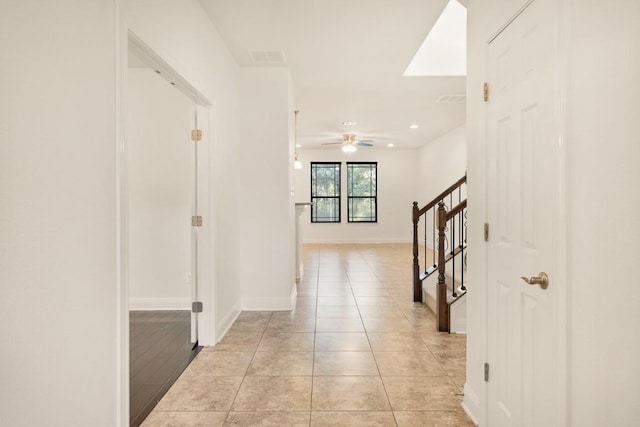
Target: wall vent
(449, 99)
(267, 57)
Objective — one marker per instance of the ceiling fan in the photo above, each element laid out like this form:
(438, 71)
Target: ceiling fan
(349, 142)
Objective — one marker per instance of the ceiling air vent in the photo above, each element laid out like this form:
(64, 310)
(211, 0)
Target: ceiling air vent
(452, 99)
(267, 57)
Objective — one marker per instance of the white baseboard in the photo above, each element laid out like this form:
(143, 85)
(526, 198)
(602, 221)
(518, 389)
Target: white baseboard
(149, 304)
(471, 404)
(226, 322)
(357, 241)
(294, 295)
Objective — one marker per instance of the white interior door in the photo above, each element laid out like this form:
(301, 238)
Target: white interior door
(522, 329)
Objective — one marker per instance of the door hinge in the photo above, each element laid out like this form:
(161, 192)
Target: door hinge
(486, 232)
(196, 307)
(486, 372)
(196, 135)
(485, 92)
(196, 221)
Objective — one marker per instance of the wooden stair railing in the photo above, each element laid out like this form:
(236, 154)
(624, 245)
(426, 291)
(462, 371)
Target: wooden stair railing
(443, 250)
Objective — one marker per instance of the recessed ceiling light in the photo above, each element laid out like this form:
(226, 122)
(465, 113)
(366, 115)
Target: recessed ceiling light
(414, 127)
(348, 123)
(298, 145)
(390, 145)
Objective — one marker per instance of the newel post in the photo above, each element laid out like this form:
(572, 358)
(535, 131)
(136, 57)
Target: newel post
(443, 307)
(417, 287)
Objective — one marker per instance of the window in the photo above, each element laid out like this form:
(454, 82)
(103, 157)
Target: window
(362, 192)
(325, 192)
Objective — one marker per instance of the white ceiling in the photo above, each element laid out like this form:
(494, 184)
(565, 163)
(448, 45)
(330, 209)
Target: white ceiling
(347, 59)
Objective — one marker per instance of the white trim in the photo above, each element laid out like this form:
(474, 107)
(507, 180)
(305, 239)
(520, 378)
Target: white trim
(562, 30)
(207, 286)
(471, 403)
(122, 238)
(226, 323)
(513, 18)
(356, 241)
(147, 304)
(294, 296)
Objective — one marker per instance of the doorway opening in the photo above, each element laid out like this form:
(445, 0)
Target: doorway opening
(162, 201)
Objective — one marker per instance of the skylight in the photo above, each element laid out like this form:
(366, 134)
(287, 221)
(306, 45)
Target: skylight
(444, 51)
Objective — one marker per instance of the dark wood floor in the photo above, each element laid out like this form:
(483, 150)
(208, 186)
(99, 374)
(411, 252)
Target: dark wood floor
(159, 350)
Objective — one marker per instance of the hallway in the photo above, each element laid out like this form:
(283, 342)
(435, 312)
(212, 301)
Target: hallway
(356, 351)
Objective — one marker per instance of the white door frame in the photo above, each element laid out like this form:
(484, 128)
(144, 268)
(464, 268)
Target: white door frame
(559, 212)
(206, 288)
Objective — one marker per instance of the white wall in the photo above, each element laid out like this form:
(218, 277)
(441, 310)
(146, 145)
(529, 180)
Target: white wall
(58, 278)
(161, 189)
(267, 273)
(441, 163)
(180, 32)
(601, 156)
(397, 172)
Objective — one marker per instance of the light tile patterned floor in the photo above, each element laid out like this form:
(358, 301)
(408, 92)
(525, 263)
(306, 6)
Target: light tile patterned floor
(356, 351)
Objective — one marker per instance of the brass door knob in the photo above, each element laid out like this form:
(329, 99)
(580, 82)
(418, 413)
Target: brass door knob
(541, 279)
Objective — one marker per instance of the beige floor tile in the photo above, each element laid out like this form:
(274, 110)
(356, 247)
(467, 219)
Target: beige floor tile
(249, 325)
(341, 341)
(345, 363)
(386, 324)
(297, 324)
(298, 313)
(440, 341)
(335, 324)
(307, 291)
(338, 311)
(219, 364)
(353, 419)
(396, 341)
(254, 315)
(371, 284)
(267, 419)
(433, 419)
(286, 341)
(200, 394)
(349, 394)
(294, 363)
(336, 301)
(408, 364)
(380, 311)
(370, 292)
(239, 341)
(347, 388)
(309, 311)
(339, 291)
(191, 419)
(333, 284)
(459, 378)
(454, 360)
(330, 278)
(376, 301)
(422, 393)
(306, 301)
(274, 394)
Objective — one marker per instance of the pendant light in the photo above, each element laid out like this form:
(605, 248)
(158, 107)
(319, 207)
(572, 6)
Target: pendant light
(297, 164)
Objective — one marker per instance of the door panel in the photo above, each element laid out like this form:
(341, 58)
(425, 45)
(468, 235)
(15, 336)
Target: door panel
(521, 334)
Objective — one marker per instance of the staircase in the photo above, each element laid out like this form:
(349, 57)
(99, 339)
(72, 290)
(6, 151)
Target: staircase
(440, 242)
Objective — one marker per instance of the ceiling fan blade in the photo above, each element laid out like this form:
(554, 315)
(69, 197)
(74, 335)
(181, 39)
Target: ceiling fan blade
(365, 143)
(332, 143)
